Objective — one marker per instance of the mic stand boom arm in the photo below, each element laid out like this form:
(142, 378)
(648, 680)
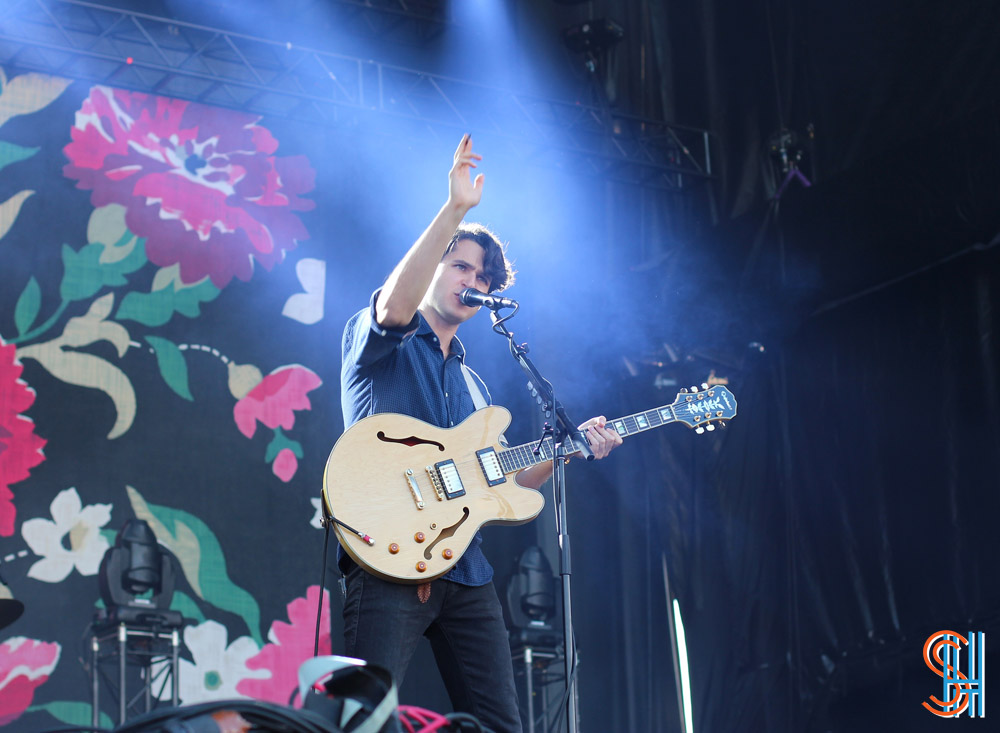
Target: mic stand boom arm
(565, 428)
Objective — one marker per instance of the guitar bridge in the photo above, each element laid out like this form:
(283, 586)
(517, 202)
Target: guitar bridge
(446, 480)
(418, 498)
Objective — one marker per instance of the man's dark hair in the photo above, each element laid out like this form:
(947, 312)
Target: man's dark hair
(495, 263)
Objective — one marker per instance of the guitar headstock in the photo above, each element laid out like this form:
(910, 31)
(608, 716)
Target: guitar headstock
(705, 407)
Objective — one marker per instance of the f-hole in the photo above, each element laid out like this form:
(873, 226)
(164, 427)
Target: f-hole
(447, 532)
(410, 441)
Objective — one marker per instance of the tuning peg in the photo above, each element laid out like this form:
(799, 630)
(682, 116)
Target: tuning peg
(693, 388)
(704, 385)
(709, 427)
(699, 430)
(722, 424)
(683, 390)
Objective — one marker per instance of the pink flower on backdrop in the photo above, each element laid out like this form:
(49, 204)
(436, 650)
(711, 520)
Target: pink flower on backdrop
(20, 448)
(291, 645)
(202, 184)
(24, 665)
(275, 398)
(285, 465)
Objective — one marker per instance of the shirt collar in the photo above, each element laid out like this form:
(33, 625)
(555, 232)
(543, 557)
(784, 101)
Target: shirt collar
(424, 330)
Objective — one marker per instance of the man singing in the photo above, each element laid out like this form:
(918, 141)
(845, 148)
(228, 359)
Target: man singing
(402, 355)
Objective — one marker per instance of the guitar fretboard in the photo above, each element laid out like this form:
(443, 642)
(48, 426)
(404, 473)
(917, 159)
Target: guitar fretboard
(519, 457)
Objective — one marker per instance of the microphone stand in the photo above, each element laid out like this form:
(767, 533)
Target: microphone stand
(565, 430)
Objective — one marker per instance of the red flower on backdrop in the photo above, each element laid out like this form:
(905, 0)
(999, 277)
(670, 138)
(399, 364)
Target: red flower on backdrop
(20, 448)
(274, 400)
(202, 184)
(24, 665)
(291, 645)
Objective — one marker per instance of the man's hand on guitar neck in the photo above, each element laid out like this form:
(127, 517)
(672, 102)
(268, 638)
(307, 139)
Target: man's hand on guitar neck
(602, 442)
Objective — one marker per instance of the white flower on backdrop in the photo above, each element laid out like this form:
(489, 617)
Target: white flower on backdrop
(317, 520)
(71, 539)
(218, 666)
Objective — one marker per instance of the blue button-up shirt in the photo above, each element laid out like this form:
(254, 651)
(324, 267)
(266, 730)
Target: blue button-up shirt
(402, 370)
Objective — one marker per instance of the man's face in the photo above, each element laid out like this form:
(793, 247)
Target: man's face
(460, 269)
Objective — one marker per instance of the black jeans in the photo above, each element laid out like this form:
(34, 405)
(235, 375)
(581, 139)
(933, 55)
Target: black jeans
(384, 621)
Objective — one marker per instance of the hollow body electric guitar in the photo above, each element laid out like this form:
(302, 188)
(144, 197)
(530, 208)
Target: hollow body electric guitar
(409, 497)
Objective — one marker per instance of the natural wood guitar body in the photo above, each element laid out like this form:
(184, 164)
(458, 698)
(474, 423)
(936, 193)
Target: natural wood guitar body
(369, 484)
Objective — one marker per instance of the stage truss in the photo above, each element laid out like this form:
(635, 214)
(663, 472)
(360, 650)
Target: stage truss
(133, 50)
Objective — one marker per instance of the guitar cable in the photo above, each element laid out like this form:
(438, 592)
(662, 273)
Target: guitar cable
(327, 521)
(322, 588)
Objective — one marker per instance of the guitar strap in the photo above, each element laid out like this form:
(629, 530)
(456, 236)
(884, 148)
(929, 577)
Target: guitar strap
(477, 395)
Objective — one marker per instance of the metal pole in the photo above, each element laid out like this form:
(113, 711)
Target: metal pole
(95, 690)
(122, 639)
(565, 573)
(530, 689)
(175, 682)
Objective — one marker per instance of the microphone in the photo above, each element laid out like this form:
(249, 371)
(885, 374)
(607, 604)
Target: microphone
(473, 298)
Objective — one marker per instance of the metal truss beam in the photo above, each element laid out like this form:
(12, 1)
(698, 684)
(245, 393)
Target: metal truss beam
(136, 51)
(403, 22)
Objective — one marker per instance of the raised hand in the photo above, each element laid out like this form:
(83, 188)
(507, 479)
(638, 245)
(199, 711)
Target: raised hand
(463, 191)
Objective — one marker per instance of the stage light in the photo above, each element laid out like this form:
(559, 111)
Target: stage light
(531, 600)
(137, 580)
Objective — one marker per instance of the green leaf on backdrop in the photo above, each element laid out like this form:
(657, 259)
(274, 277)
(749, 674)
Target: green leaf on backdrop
(159, 306)
(11, 153)
(279, 443)
(196, 548)
(72, 713)
(173, 368)
(84, 273)
(26, 310)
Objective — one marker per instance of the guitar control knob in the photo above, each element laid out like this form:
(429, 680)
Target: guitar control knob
(393, 548)
(421, 567)
(419, 537)
(447, 554)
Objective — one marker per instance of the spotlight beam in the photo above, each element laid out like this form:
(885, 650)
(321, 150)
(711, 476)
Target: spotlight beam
(210, 65)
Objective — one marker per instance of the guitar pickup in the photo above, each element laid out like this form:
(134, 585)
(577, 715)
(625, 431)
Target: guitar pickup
(489, 462)
(446, 480)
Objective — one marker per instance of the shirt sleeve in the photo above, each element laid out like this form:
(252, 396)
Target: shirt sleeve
(366, 342)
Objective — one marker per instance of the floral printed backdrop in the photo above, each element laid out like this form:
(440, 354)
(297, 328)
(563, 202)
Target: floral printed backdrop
(162, 356)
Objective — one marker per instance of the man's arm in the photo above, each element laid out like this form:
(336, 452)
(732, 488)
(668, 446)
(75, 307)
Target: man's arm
(408, 283)
(602, 441)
